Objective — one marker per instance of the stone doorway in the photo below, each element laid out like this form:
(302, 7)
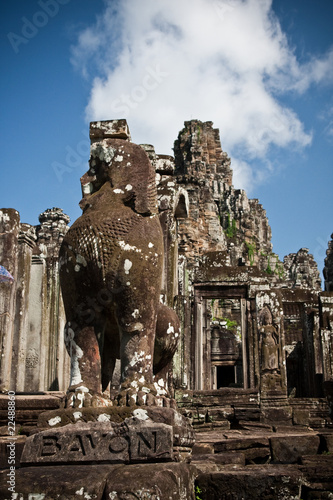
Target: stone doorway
(299, 358)
(225, 376)
(220, 348)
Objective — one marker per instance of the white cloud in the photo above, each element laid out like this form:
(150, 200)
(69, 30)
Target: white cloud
(161, 62)
(327, 118)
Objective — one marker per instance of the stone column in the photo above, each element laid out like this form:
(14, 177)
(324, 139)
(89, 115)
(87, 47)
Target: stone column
(34, 356)
(54, 371)
(27, 238)
(253, 345)
(244, 344)
(198, 344)
(9, 231)
(326, 307)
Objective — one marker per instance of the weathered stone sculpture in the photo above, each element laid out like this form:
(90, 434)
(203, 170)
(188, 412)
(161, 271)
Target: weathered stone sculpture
(269, 339)
(110, 272)
(328, 269)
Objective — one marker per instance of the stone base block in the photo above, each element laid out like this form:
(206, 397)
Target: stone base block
(241, 444)
(153, 481)
(313, 412)
(290, 449)
(100, 442)
(28, 407)
(11, 448)
(275, 412)
(51, 483)
(109, 435)
(98, 482)
(251, 483)
(219, 459)
(202, 449)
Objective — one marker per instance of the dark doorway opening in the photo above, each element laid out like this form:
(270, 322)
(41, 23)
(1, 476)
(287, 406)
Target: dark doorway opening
(296, 373)
(225, 376)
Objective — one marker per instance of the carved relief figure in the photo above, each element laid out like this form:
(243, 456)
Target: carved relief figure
(110, 272)
(269, 342)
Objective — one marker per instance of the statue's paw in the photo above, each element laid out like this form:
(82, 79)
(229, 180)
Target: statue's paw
(130, 397)
(82, 397)
(165, 402)
(97, 401)
(135, 392)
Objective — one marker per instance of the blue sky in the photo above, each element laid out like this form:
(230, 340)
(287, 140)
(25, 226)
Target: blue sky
(262, 71)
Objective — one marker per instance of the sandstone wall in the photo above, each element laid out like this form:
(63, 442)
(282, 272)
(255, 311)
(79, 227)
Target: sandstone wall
(31, 310)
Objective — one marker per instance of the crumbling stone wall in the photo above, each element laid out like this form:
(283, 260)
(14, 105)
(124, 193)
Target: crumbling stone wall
(201, 169)
(31, 310)
(220, 216)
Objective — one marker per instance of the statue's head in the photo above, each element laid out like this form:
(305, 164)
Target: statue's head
(128, 170)
(265, 316)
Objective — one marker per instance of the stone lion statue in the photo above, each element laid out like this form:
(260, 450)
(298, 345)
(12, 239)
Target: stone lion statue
(111, 264)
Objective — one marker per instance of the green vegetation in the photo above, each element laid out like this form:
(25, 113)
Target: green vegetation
(230, 324)
(250, 251)
(279, 270)
(198, 492)
(268, 269)
(231, 230)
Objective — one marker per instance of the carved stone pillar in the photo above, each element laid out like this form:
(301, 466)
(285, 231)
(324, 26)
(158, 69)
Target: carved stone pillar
(26, 240)
(9, 231)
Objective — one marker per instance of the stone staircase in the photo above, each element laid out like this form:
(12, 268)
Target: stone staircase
(235, 456)
(240, 457)
(230, 407)
(219, 408)
(256, 462)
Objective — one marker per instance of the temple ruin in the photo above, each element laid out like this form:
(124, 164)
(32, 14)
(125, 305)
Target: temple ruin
(256, 339)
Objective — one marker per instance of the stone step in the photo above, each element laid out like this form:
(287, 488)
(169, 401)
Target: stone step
(27, 409)
(11, 448)
(290, 448)
(251, 482)
(204, 462)
(323, 460)
(222, 397)
(290, 482)
(286, 447)
(164, 480)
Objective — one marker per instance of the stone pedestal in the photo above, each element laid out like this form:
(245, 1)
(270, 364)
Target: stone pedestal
(136, 450)
(129, 442)
(151, 424)
(276, 410)
(274, 405)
